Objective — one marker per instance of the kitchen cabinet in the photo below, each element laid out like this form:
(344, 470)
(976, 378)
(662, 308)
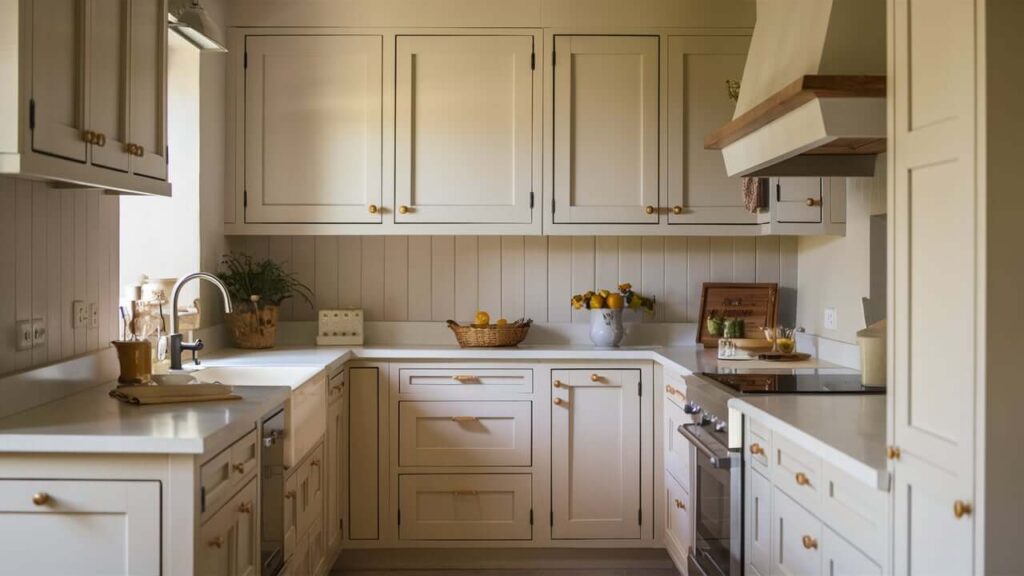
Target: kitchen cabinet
(840, 558)
(96, 94)
(606, 129)
(699, 190)
(465, 506)
(796, 538)
(337, 442)
(229, 540)
(80, 526)
(364, 485)
(468, 433)
(678, 522)
(467, 138)
(312, 139)
(595, 433)
(291, 515)
(758, 523)
(806, 206)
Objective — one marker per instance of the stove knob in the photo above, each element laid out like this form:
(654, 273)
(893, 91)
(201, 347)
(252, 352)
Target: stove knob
(691, 408)
(706, 419)
(721, 426)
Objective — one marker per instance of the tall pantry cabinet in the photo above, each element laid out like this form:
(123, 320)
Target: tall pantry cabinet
(954, 212)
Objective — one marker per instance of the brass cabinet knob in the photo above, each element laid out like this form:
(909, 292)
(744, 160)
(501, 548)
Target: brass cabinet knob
(893, 452)
(141, 150)
(315, 462)
(670, 389)
(677, 210)
(40, 498)
(289, 495)
(101, 139)
(679, 504)
(239, 467)
(802, 479)
(813, 202)
(559, 401)
(755, 448)
(463, 378)
(595, 378)
(649, 209)
(245, 507)
(557, 384)
(403, 209)
(373, 208)
(810, 543)
(217, 542)
(961, 509)
(89, 136)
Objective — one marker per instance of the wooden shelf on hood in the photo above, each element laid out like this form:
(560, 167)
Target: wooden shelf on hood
(797, 94)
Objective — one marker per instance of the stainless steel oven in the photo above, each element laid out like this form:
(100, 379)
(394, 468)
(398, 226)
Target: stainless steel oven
(272, 494)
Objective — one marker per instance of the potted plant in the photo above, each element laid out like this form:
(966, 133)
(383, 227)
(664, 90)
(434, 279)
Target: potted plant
(606, 312)
(257, 289)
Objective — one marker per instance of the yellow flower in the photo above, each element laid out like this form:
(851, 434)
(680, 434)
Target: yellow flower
(625, 287)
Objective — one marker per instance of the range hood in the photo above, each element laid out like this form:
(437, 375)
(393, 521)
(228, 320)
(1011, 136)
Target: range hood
(812, 99)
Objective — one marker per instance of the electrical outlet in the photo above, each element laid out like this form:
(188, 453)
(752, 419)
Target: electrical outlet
(79, 315)
(831, 319)
(94, 315)
(38, 332)
(23, 335)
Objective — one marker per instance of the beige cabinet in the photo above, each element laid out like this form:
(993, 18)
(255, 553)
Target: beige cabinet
(595, 433)
(229, 540)
(840, 558)
(467, 139)
(606, 129)
(80, 527)
(108, 83)
(795, 537)
(364, 482)
(465, 506)
(699, 190)
(147, 90)
(678, 521)
(334, 458)
(471, 433)
(312, 129)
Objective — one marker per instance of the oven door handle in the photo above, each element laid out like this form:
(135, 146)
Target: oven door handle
(718, 460)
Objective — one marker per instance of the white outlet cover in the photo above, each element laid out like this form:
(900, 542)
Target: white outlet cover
(23, 335)
(79, 315)
(831, 319)
(94, 315)
(38, 332)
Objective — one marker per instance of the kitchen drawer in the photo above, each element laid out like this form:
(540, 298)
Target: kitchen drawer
(855, 510)
(677, 517)
(615, 377)
(464, 380)
(307, 421)
(797, 471)
(677, 448)
(675, 390)
(758, 523)
(757, 445)
(221, 476)
(796, 538)
(799, 199)
(840, 558)
(465, 433)
(465, 507)
(335, 387)
(309, 487)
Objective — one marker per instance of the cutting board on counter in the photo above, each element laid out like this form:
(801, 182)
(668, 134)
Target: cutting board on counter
(755, 303)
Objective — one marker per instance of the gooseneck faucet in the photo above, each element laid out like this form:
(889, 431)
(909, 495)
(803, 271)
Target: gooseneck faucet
(175, 343)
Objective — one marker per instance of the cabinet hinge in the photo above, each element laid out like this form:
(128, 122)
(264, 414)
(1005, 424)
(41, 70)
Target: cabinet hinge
(640, 517)
(245, 198)
(32, 114)
(640, 389)
(531, 200)
(202, 499)
(553, 56)
(167, 154)
(552, 517)
(552, 204)
(399, 516)
(533, 60)
(245, 59)
(531, 516)
(778, 192)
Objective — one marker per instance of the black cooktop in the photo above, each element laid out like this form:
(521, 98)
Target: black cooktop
(793, 383)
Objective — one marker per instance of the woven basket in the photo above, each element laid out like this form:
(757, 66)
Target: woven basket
(253, 329)
(490, 336)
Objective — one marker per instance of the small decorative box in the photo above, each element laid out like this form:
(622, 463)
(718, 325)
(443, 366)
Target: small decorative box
(340, 328)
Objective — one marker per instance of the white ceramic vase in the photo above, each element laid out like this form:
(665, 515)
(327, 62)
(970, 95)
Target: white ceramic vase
(606, 327)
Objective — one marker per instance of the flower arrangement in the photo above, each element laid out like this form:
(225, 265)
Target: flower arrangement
(606, 299)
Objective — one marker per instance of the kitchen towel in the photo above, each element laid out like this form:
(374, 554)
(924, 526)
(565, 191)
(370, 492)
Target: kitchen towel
(755, 194)
(171, 394)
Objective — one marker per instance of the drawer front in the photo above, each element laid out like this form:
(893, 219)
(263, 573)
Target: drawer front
(244, 454)
(677, 448)
(855, 510)
(309, 487)
(677, 517)
(796, 538)
(465, 433)
(465, 380)
(336, 387)
(799, 199)
(308, 419)
(465, 506)
(841, 558)
(797, 472)
(675, 390)
(759, 523)
(612, 377)
(757, 445)
(221, 476)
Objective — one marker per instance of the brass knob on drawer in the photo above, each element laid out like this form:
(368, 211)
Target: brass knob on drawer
(289, 495)
(559, 402)
(755, 448)
(813, 202)
(315, 462)
(463, 378)
(802, 479)
(595, 378)
(140, 150)
(239, 467)
(403, 209)
(40, 498)
(89, 136)
(373, 208)
(558, 384)
(245, 507)
(893, 452)
(961, 509)
(101, 139)
(677, 210)
(679, 504)
(649, 209)
(217, 542)
(810, 543)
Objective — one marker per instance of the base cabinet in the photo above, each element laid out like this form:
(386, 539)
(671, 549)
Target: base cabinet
(229, 540)
(678, 522)
(334, 458)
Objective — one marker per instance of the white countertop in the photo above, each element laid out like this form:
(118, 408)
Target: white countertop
(848, 431)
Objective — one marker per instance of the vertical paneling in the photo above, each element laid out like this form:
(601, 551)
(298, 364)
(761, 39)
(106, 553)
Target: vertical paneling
(744, 259)
(304, 268)
(535, 278)
(582, 271)
(768, 259)
(631, 268)
(420, 279)
(325, 258)
(489, 270)
(68, 337)
(559, 278)
(396, 278)
(787, 280)
(513, 288)
(23, 267)
(92, 252)
(53, 269)
(652, 274)
(8, 279)
(39, 260)
(442, 278)
(721, 259)
(466, 277)
(674, 300)
(372, 281)
(279, 249)
(350, 263)
(698, 271)
(606, 262)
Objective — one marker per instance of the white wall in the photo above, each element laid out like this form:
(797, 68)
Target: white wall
(434, 278)
(835, 271)
(160, 236)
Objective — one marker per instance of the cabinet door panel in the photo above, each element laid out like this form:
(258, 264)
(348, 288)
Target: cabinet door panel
(58, 63)
(108, 72)
(840, 558)
(464, 128)
(798, 199)
(335, 483)
(677, 516)
(929, 540)
(364, 454)
(313, 128)
(606, 129)
(698, 104)
(795, 537)
(758, 523)
(677, 448)
(595, 434)
(147, 127)
(87, 527)
(291, 514)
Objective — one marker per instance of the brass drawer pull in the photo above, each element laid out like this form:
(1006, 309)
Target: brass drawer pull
(813, 202)
(245, 508)
(893, 452)
(680, 505)
(802, 479)
(464, 418)
(595, 378)
(649, 209)
(373, 208)
(674, 391)
(315, 462)
(463, 378)
(755, 448)
(810, 543)
(961, 509)
(289, 495)
(403, 209)
(558, 384)
(464, 492)
(101, 139)
(89, 137)
(239, 467)
(559, 402)
(217, 542)
(40, 498)
(677, 210)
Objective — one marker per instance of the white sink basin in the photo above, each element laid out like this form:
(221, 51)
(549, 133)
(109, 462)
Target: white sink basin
(291, 376)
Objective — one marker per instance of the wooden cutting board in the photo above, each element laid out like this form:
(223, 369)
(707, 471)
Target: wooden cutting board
(755, 303)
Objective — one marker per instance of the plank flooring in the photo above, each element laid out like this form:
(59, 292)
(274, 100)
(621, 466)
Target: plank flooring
(505, 562)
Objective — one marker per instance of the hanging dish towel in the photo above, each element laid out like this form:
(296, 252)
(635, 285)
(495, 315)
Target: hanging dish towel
(172, 394)
(755, 194)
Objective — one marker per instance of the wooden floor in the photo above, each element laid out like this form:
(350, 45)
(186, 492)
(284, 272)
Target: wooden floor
(505, 562)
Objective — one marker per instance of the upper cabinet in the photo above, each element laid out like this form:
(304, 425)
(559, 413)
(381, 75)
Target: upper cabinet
(465, 143)
(312, 129)
(606, 129)
(90, 106)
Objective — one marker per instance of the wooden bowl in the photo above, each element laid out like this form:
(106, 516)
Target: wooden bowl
(752, 343)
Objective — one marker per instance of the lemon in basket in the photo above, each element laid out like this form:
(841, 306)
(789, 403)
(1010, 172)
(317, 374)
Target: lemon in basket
(482, 319)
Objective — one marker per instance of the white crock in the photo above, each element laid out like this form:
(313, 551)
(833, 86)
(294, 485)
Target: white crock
(606, 327)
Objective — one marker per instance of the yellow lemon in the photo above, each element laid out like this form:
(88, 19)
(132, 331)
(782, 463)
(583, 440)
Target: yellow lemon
(482, 319)
(501, 322)
(615, 301)
(596, 301)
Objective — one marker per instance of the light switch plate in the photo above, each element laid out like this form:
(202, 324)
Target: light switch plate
(38, 332)
(23, 335)
(340, 328)
(831, 319)
(94, 315)
(79, 314)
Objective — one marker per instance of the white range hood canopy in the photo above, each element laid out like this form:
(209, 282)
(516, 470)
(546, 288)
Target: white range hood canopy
(812, 99)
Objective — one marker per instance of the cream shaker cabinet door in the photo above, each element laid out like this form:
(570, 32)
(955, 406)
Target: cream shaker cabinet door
(82, 527)
(58, 78)
(699, 190)
(595, 454)
(606, 129)
(364, 487)
(464, 129)
(758, 523)
(313, 129)
(840, 558)
(108, 82)
(147, 125)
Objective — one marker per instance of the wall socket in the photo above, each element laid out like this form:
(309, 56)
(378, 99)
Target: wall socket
(30, 334)
(80, 316)
(831, 319)
(94, 315)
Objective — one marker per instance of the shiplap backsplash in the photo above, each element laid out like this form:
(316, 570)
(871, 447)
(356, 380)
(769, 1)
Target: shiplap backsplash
(56, 246)
(434, 278)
